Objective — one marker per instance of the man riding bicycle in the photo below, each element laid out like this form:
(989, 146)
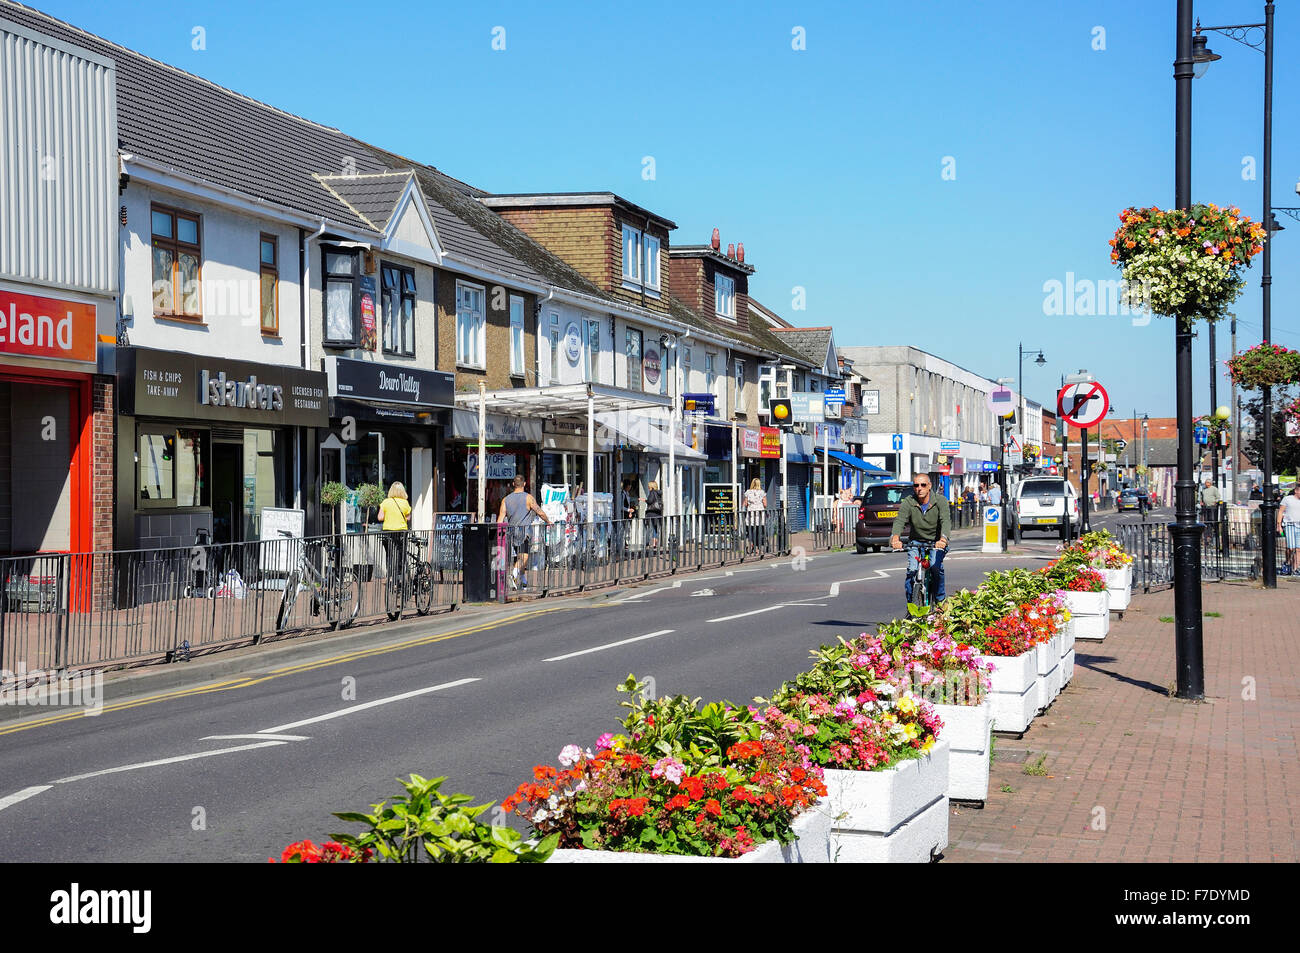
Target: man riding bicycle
(929, 519)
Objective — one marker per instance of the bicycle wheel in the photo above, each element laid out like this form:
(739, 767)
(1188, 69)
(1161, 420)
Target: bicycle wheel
(285, 616)
(394, 596)
(423, 586)
(349, 601)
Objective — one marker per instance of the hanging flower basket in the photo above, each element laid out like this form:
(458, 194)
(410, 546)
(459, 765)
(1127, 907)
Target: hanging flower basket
(1264, 365)
(1185, 263)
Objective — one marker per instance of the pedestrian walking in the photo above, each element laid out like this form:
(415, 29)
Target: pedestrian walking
(396, 513)
(1210, 499)
(654, 511)
(995, 495)
(755, 511)
(519, 510)
(1288, 527)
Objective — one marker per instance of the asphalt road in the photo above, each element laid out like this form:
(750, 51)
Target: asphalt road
(236, 770)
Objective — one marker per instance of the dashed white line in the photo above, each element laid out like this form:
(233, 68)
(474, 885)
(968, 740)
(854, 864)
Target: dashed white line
(259, 737)
(281, 729)
(162, 761)
(22, 795)
(611, 645)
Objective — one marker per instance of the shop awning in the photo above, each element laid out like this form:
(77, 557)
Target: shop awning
(563, 400)
(856, 462)
(648, 433)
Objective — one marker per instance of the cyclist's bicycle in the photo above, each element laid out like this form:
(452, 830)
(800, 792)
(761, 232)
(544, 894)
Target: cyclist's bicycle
(334, 590)
(922, 584)
(409, 576)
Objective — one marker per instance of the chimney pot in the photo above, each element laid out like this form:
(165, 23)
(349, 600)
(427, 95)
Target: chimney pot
(731, 251)
(716, 242)
(740, 252)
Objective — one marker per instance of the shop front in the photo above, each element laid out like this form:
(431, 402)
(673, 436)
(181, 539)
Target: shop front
(205, 444)
(511, 447)
(48, 404)
(564, 456)
(387, 425)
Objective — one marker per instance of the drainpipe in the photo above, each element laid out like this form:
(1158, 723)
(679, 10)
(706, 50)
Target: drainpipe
(304, 287)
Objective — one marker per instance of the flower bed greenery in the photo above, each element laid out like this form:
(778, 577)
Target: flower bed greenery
(719, 779)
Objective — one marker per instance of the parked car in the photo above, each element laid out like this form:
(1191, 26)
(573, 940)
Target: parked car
(1043, 503)
(877, 508)
(1133, 498)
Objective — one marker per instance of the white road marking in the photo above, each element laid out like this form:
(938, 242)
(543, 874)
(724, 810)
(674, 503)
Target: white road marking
(702, 592)
(611, 645)
(780, 605)
(642, 595)
(162, 761)
(281, 729)
(259, 737)
(22, 795)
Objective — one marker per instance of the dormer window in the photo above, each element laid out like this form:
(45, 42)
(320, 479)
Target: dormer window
(640, 261)
(724, 296)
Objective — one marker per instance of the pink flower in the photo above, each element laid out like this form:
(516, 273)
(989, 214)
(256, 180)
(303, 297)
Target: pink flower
(570, 755)
(605, 741)
(668, 768)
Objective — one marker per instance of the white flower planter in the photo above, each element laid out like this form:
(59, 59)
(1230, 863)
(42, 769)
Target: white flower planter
(1014, 696)
(813, 846)
(1047, 662)
(895, 816)
(1090, 614)
(1119, 584)
(1066, 636)
(967, 729)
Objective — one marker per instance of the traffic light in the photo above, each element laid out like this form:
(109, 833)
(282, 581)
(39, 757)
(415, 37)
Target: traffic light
(780, 412)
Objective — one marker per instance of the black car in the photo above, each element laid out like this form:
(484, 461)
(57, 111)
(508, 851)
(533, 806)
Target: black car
(877, 508)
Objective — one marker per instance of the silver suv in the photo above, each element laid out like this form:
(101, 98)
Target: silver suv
(1042, 503)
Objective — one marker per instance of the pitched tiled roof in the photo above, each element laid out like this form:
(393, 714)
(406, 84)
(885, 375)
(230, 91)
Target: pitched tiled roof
(812, 343)
(371, 197)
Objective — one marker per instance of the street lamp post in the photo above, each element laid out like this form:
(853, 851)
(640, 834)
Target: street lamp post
(1186, 531)
(1242, 33)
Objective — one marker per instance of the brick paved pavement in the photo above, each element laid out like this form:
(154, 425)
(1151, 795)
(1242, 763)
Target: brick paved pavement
(1172, 781)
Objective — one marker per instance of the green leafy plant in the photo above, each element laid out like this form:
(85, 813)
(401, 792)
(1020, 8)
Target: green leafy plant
(1214, 615)
(426, 824)
(1166, 618)
(1008, 789)
(369, 496)
(333, 493)
(1265, 365)
(1036, 768)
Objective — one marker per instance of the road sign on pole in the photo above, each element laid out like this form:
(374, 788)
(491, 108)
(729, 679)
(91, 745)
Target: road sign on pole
(897, 441)
(1082, 405)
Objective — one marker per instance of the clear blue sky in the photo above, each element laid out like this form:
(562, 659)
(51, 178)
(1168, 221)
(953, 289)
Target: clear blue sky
(825, 162)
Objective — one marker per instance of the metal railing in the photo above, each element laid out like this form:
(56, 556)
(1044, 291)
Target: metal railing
(68, 611)
(572, 557)
(834, 527)
(61, 612)
(1230, 547)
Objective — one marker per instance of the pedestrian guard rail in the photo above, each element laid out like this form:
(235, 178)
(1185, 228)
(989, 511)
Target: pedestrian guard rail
(61, 612)
(1230, 547)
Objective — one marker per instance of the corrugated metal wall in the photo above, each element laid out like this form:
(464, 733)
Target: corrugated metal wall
(58, 164)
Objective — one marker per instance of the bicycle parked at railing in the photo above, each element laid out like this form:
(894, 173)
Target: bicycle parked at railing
(334, 590)
(408, 576)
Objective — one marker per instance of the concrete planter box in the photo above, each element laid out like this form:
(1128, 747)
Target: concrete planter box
(967, 729)
(1014, 697)
(1047, 659)
(1090, 614)
(812, 846)
(895, 816)
(1066, 637)
(1119, 584)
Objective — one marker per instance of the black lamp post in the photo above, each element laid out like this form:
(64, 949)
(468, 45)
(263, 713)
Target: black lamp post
(1186, 531)
(1244, 33)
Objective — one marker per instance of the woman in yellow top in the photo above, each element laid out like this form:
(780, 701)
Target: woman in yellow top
(396, 511)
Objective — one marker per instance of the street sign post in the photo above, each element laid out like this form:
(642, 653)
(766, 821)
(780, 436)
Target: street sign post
(897, 442)
(992, 529)
(1082, 405)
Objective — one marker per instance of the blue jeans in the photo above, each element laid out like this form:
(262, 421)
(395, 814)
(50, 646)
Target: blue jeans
(936, 572)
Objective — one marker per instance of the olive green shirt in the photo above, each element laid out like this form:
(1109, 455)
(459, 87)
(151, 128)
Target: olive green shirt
(928, 526)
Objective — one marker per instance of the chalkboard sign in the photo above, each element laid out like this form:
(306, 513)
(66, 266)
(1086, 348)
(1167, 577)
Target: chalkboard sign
(446, 548)
(719, 498)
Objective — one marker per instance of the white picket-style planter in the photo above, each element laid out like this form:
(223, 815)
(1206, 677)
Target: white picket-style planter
(1047, 658)
(1013, 698)
(812, 846)
(1119, 583)
(1090, 614)
(895, 816)
(967, 729)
